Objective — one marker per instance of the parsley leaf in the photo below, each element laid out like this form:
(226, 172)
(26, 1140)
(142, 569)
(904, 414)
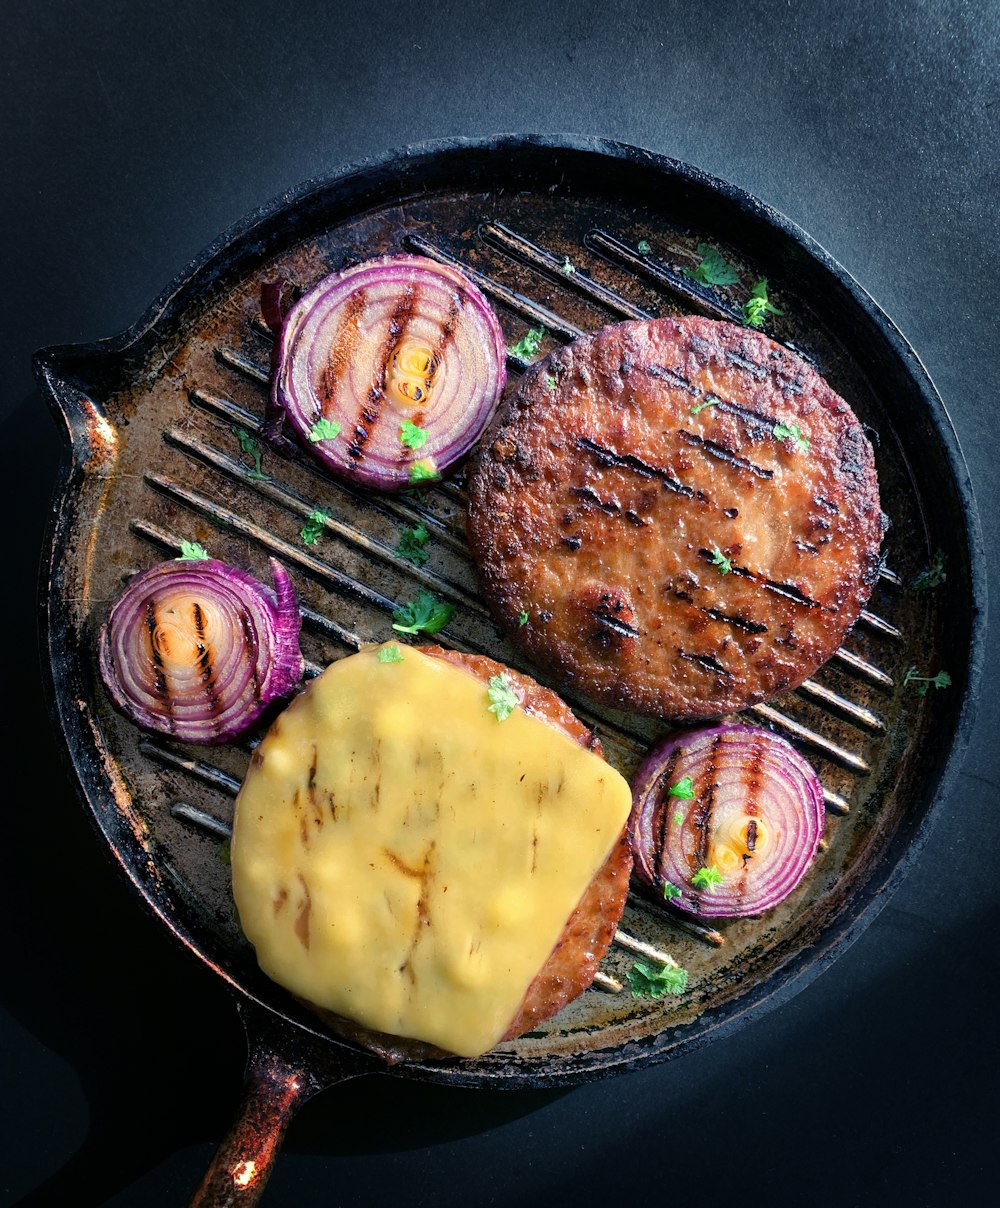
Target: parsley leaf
(793, 433)
(567, 267)
(424, 471)
(648, 980)
(529, 344)
(522, 618)
(684, 788)
(720, 560)
(424, 615)
(757, 306)
(412, 436)
(925, 682)
(705, 878)
(315, 523)
(324, 429)
(411, 545)
(253, 450)
(390, 654)
(709, 402)
(502, 696)
(714, 268)
(191, 551)
(670, 891)
(933, 576)
(679, 817)
(551, 381)
(643, 248)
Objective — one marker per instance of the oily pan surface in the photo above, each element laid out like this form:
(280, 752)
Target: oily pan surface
(685, 510)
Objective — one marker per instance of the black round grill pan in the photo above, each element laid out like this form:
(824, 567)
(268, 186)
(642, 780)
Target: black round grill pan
(162, 423)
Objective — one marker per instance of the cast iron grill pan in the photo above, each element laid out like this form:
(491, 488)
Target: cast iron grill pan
(154, 419)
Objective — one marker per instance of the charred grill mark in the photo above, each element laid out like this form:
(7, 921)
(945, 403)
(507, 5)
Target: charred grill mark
(372, 409)
(611, 622)
(709, 350)
(628, 461)
(715, 449)
(159, 678)
(664, 373)
(342, 349)
(205, 658)
(302, 918)
(610, 507)
(665, 810)
(311, 782)
(738, 622)
(250, 645)
(458, 299)
(706, 661)
(827, 504)
(706, 803)
(787, 591)
(751, 835)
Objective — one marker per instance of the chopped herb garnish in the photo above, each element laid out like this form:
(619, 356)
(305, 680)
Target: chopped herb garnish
(191, 551)
(670, 891)
(714, 268)
(757, 306)
(390, 654)
(551, 381)
(648, 980)
(684, 788)
(324, 429)
(411, 545)
(925, 682)
(503, 698)
(720, 560)
(424, 471)
(699, 407)
(253, 450)
(425, 615)
(933, 576)
(705, 878)
(529, 344)
(567, 267)
(643, 248)
(679, 817)
(522, 618)
(412, 436)
(314, 526)
(793, 433)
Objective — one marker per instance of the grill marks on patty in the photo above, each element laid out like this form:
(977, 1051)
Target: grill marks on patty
(741, 558)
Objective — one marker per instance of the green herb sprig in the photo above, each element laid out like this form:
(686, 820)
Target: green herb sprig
(792, 432)
(934, 575)
(503, 698)
(390, 654)
(720, 560)
(705, 878)
(250, 448)
(649, 980)
(412, 436)
(922, 684)
(426, 614)
(529, 344)
(192, 551)
(314, 526)
(714, 268)
(324, 429)
(411, 545)
(758, 306)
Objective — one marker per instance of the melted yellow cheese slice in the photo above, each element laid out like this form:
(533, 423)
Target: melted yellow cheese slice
(404, 859)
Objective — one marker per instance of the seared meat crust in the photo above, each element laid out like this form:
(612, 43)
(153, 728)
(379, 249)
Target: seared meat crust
(589, 930)
(676, 551)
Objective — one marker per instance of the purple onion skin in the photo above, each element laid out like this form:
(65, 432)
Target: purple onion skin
(265, 662)
(738, 772)
(355, 456)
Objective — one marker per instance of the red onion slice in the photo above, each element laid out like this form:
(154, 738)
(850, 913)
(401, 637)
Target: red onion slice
(371, 354)
(198, 650)
(737, 839)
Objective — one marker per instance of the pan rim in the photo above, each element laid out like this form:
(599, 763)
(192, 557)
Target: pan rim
(58, 366)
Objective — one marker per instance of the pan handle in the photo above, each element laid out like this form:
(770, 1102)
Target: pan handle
(283, 1070)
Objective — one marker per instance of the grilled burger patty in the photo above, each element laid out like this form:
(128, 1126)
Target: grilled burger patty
(587, 934)
(684, 510)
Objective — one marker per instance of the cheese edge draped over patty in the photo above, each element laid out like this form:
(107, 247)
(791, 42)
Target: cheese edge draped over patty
(406, 860)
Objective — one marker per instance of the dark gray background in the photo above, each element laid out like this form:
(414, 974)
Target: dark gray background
(132, 135)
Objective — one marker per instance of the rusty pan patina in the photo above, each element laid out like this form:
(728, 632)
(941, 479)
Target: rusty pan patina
(158, 421)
